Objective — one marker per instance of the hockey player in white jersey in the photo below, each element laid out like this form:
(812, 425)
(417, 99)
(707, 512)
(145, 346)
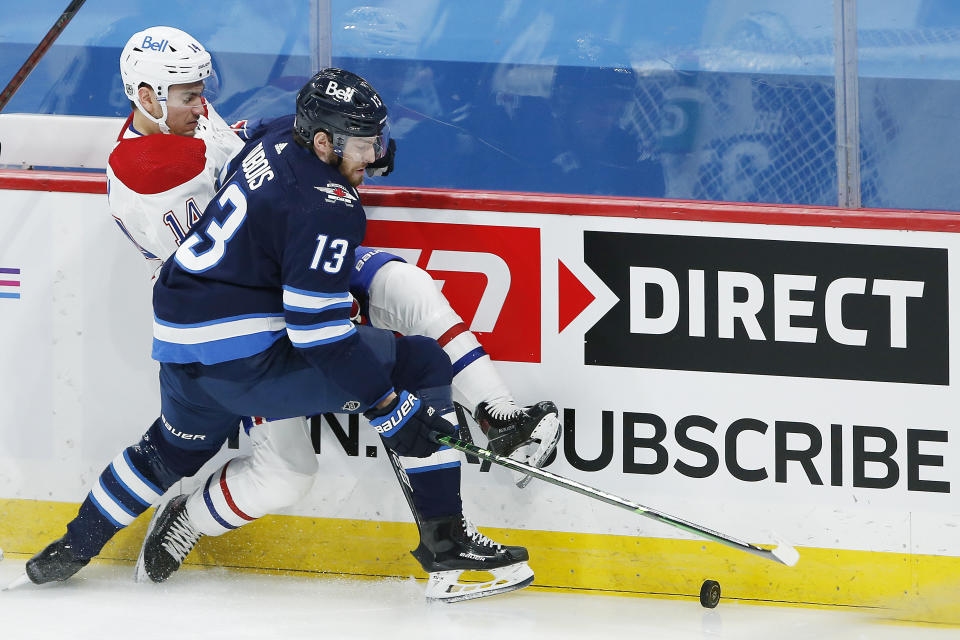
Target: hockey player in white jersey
(156, 202)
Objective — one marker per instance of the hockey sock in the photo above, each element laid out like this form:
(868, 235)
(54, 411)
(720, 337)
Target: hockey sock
(436, 490)
(279, 472)
(133, 481)
(212, 508)
(435, 480)
(475, 379)
(478, 381)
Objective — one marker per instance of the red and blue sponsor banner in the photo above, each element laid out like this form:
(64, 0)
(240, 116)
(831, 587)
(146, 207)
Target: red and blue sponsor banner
(9, 282)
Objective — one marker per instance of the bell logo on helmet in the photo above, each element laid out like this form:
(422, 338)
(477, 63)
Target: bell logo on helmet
(345, 94)
(150, 43)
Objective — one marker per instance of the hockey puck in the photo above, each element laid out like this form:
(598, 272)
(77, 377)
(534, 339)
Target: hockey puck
(710, 593)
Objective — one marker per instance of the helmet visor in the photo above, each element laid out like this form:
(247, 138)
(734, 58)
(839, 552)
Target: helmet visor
(187, 95)
(366, 148)
(186, 102)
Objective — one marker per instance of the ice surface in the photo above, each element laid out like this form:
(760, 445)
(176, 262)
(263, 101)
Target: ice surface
(102, 601)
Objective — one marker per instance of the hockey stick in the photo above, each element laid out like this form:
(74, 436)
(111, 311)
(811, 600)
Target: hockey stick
(784, 553)
(40, 51)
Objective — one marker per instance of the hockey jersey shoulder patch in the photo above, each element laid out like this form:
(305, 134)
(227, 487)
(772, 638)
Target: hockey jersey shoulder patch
(157, 163)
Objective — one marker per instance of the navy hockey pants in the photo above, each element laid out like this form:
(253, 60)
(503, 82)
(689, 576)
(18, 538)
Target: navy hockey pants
(202, 404)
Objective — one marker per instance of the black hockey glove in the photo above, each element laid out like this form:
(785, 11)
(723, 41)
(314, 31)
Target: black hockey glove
(384, 165)
(409, 426)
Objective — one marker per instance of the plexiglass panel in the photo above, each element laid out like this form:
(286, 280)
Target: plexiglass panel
(706, 99)
(716, 100)
(909, 58)
(261, 52)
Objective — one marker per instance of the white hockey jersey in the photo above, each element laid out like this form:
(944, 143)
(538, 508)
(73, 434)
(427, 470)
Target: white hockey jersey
(158, 185)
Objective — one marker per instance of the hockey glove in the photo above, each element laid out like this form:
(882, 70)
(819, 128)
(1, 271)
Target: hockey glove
(384, 165)
(409, 426)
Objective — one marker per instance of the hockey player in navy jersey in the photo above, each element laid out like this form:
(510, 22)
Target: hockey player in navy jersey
(252, 317)
(258, 173)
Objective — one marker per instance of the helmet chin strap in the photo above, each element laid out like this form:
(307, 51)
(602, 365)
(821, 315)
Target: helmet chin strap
(162, 120)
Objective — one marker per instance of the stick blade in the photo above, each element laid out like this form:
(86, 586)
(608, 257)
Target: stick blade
(785, 554)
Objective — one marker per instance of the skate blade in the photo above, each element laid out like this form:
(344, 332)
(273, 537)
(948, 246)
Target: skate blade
(19, 582)
(444, 586)
(541, 450)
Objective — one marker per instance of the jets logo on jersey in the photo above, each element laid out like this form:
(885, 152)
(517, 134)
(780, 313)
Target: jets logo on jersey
(337, 193)
(350, 405)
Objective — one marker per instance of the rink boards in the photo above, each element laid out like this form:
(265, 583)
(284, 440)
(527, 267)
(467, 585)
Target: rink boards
(762, 370)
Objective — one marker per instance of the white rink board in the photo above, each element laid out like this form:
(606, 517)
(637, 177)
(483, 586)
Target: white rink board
(77, 385)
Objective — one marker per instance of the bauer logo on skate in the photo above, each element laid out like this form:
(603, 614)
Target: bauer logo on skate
(816, 310)
(490, 275)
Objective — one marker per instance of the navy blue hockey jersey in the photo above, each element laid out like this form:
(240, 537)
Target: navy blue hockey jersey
(270, 259)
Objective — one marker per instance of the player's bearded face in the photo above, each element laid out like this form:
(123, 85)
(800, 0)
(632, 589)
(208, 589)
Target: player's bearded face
(357, 154)
(184, 107)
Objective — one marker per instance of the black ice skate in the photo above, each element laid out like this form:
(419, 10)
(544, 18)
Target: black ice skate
(451, 545)
(528, 435)
(57, 562)
(170, 537)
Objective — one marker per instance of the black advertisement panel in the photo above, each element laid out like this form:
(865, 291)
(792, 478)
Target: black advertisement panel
(771, 307)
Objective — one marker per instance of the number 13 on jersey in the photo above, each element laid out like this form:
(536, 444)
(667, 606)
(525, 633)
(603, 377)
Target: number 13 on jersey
(338, 247)
(217, 233)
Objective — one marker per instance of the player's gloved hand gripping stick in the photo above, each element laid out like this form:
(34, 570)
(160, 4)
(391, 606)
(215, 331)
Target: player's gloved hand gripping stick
(409, 426)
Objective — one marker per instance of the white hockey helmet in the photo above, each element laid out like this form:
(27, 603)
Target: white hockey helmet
(160, 57)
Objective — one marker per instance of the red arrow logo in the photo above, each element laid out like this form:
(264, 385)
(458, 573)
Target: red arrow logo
(574, 297)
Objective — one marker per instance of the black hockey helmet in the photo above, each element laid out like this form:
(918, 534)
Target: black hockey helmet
(345, 106)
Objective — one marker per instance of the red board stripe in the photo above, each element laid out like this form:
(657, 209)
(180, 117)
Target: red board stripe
(610, 206)
(62, 181)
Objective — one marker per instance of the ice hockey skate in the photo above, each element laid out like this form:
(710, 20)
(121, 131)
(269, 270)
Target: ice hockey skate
(528, 434)
(57, 562)
(451, 545)
(170, 538)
